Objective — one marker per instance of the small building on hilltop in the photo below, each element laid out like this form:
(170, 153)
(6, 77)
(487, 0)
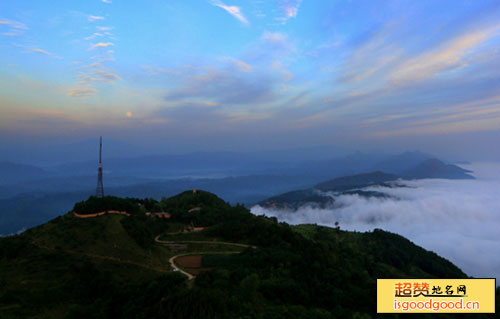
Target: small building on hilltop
(159, 215)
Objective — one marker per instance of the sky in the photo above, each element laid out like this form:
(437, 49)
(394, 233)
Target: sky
(253, 75)
(457, 219)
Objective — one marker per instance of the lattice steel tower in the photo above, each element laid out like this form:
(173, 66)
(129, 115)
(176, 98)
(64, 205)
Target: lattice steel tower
(100, 189)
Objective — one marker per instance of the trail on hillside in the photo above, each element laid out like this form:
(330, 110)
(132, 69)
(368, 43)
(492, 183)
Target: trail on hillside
(190, 276)
(111, 258)
(157, 239)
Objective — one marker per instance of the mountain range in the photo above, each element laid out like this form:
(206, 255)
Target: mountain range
(316, 196)
(30, 195)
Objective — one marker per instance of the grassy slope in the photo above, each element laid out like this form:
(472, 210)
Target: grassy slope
(103, 236)
(43, 268)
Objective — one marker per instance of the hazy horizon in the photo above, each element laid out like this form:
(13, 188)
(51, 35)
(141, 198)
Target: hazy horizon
(57, 153)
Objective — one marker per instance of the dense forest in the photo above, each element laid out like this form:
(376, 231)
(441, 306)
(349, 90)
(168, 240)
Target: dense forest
(111, 266)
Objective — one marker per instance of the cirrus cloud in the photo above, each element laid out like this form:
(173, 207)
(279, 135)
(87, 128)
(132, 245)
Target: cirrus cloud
(81, 92)
(101, 45)
(232, 10)
(290, 9)
(15, 28)
(93, 18)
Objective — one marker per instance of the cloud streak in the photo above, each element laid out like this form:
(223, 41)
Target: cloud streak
(45, 52)
(232, 10)
(93, 18)
(447, 57)
(40, 51)
(101, 45)
(94, 35)
(96, 73)
(15, 28)
(81, 92)
(477, 115)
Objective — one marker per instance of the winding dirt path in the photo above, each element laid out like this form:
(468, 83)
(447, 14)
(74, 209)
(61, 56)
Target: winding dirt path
(174, 266)
(171, 260)
(190, 276)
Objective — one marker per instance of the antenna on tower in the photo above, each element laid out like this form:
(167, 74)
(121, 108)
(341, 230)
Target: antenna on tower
(100, 189)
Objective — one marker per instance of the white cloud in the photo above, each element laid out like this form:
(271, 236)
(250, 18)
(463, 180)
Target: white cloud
(273, 37)
(101, 28)
(97, 74)
(232, 10)
(289, 8)
(106, 75)
(15, 28)
(95, 18)
(458, 219)
(81, 92)
(106, 1)
(450, 55)
(94, 35)
(40, 51)
(277, 41)
(101, 45)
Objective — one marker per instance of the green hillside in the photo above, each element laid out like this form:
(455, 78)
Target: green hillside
(116, 266)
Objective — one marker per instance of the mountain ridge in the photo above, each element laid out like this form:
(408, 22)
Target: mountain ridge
(316, 196)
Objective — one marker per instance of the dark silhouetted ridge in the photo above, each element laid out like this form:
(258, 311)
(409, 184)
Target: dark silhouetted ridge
(354, 181)
(434, 168)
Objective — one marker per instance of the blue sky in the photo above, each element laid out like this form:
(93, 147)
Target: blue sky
(251, 75)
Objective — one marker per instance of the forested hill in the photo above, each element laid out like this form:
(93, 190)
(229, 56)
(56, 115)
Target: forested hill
(116, 265)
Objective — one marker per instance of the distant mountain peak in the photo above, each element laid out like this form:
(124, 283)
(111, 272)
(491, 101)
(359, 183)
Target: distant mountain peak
(434, 168)
(427, 168)
(360, 180)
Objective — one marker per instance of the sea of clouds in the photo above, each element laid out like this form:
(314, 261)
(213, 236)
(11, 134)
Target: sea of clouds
(457, 219)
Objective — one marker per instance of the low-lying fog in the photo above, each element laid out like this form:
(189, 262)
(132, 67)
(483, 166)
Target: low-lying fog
(458, 219)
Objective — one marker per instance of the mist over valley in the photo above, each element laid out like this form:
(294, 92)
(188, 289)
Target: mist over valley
(458, 219)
